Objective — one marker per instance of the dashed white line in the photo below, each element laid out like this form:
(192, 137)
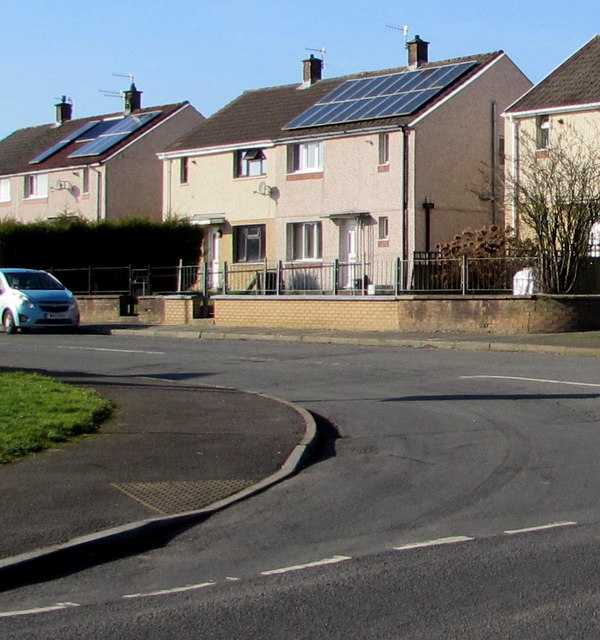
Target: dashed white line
(299, 567)
(542, 527)
(155, 353)
(29, 612)
(433, 543)
(164, 592)
(544, 380)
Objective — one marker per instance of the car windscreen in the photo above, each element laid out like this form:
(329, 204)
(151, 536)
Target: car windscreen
(24, 280)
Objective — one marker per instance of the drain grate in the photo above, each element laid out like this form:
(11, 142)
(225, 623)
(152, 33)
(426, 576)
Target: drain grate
(176, 497)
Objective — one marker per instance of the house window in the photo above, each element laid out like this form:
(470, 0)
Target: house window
(36, 185)
(501, 151)
(5, 190)
(306, 157)
(382, 228)
(384, 148)
(250, 162)
(542, 132)
(305, 241)
(85, 180)
(183, 170)
(249, 243)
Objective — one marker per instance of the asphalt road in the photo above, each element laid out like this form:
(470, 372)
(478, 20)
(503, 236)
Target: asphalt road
(464, 447)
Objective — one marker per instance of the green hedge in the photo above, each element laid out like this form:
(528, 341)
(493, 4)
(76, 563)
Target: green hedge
(72, 243)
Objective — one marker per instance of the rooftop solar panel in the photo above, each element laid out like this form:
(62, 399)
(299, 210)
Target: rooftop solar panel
(63, 143)
(118, 131)
(396, 94)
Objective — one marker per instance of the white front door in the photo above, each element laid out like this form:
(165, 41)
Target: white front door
(213, 257)
(348, 253)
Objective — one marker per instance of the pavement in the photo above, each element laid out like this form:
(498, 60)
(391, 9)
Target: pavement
(173, 454)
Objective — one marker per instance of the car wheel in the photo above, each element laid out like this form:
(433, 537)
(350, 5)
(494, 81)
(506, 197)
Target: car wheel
(8, 322)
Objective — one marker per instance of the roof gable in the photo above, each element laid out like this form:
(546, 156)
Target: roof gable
(575, 82)
(262, 114)
(49, 146)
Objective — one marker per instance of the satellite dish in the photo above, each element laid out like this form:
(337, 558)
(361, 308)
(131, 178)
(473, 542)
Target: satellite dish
(262, 188)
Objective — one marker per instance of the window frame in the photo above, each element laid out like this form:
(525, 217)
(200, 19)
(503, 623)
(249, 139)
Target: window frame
(244, 160)
(383, 228)
(542, 129)
(85, 180)
(383, 149)
(243, 236)
(5, 190)
(305, 157)
(184, 170)
(35, 186)
(305, 241)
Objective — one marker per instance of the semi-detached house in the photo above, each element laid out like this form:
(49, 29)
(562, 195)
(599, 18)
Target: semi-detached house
(361, 168)
(97, 168)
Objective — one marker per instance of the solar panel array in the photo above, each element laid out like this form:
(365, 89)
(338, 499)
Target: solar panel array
(396, 94)
(64, 142)
(119, 130)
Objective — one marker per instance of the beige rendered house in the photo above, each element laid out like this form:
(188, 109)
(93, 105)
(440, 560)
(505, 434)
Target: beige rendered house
(364, 168)
(563, 106)
(97, 168)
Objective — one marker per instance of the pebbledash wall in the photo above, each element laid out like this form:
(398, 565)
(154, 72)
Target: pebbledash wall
(482, 314)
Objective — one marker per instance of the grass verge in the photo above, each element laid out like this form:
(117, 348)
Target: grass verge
(36, 412)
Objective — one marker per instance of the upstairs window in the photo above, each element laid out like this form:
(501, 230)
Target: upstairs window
(250, 162)
(542, 132)
(5, 190)
(249, 243)
(85, 180)
(383, 229)
(183, 170)
(36, 185)
(305, 157)
(384, 148)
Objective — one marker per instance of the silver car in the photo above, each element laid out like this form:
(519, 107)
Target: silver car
(31, 298)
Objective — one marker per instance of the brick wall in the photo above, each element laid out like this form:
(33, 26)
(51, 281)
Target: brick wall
(482, 314)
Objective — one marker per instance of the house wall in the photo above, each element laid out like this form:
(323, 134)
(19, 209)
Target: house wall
(455, 152)
(64, 201)
(134, 176)
(520, 133)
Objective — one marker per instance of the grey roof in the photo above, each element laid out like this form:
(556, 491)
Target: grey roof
(18, 149)
(261, 114)
(575, 82)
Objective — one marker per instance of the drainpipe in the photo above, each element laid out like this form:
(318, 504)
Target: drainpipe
(494, 185)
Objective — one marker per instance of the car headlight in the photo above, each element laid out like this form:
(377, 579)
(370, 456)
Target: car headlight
(25, 301)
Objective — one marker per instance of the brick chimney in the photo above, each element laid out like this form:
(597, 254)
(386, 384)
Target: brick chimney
(132, 99)
(313, 71)
(418, 52)
(64, 111)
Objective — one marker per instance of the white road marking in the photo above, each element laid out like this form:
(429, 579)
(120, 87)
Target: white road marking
(298, 567)
(433, 543)
(163, 592)
(230, 579)
(29, 612)
(544, 380)
(156, 353)
(542, 527)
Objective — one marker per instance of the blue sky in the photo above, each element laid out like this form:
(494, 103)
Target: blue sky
(209, 51)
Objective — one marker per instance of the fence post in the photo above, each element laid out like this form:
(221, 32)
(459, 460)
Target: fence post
(336, 276)
(279, 279)
(90, 280)
(397, 276)
(179, 275)
(225, 278)
(464, 275)
(264, 282)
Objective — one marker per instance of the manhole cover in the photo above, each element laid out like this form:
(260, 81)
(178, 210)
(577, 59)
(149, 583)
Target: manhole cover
(176, 497)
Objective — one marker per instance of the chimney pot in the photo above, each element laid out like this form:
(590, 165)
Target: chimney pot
(313, 71)
(418, 52)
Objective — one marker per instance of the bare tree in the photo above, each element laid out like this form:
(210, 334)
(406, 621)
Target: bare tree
(555, 194)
